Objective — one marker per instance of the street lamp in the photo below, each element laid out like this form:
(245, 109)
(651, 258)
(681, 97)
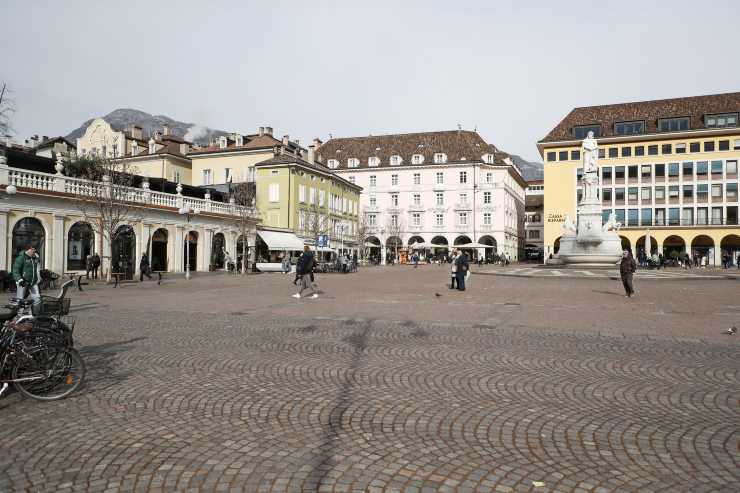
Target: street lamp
(187, 212)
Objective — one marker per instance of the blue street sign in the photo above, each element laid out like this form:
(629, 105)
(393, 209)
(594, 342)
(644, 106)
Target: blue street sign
(323, 241)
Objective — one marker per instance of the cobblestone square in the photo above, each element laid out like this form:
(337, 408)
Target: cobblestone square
(391, 382)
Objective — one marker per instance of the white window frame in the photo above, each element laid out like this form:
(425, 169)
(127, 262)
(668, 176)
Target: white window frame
(463, 177)
(439, 220)
(416, 199)
(439, 198)
(487, 218)
(416, 219)
(373, 180)
(302, 194)
(394, 199)
(417, 178)
(396, 160)
(462, 218)
(440, 158)
(486, 197)
(417, 159)
(207, 176)
(353, 162)
(440, 178)
(373, 161)
(274, 192)
(489, 177)
(372, 219)
(332, 164)
(394, 180)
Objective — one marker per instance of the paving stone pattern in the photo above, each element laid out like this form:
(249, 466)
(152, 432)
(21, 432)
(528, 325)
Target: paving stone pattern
(238, 401)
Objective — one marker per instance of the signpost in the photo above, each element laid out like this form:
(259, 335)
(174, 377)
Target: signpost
(322, 241)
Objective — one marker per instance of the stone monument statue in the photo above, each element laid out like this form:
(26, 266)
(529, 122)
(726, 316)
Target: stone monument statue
(588, 242)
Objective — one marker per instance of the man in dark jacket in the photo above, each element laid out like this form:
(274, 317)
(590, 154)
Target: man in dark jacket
(304, 269)
(462, 265)
(144, 268)
(627, 267)
(26, 274)
(95, 265)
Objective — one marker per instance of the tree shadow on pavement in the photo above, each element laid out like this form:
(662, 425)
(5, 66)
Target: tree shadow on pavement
(102, 370)
(607, 292)
(324, 462)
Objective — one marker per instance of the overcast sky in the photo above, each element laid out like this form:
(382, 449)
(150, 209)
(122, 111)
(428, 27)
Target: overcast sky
(511, 69)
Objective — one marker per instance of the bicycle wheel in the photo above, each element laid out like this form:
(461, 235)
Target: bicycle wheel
(49, 373)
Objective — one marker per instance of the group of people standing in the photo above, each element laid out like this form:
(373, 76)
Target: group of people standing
(460, 269)
(92, 265)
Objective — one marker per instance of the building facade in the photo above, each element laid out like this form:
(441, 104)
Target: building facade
(534, 225)
(442, 188)
(670, 166)
(305, 199)
(39, 207)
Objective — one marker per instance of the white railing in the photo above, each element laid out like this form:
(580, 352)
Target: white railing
(76, 186)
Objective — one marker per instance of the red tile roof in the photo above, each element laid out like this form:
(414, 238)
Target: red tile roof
(251, 142)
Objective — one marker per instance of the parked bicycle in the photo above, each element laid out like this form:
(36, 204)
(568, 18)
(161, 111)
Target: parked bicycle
(36, 353)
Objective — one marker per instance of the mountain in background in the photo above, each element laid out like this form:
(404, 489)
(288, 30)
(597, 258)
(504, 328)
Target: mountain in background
(531, 170)
(124, 117)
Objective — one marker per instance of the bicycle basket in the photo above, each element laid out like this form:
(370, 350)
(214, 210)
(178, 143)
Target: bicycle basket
(50, 305)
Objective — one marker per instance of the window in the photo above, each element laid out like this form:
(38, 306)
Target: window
(490, 158)
(581, 131)
(652, 150)
(551, 156)
(645, 172)
(632, 218)
(417, 178)
(322, 198)
(666, 148)
(702, 168)
(716, 192)
(487, 218)
(312, 195)
(613, 152)
(688, 170)
(373, 201)
(674, 214)
(626, 152)
(394, 180)
(694, 147)
(351, 179)
(462, 218)
(673, 124)
(632, 172)
(645, 194)
(731, 167)
(222, 142)
(619, 194)
(716, 215)
(463, 177)
(417, 159)
(632, 194)
(673, 169)
(332, 163)
(724, 145)
(134, 148)
(440, 178)
(440, 198)
(274, 192)
(394, 220)
(605, 213)
(301, 193)
(463, 198)
(440, 158)
(416, 199)
(439, 220)
(709, 146)
(673, 192)
(680, 148)
(486, 197)
(372, 161)
(373, 180)
(372, 219)
(489, 177)
(394, 200)
(619, 213)
(660, 217)
(227, 175)
(717, 167)
(416, 219)
(688, 193)
(606, 174)
(353, 162)
(563, 156)
(721, 120)
(659, 193)
(687, 217)
(702, 192)
(629, 128)
(646, 217)
(575, 155)
(619, 172)
(660, 170)
(606, 195)
(639, 150)
(736, 145)
(395, 160)
(207, 177)
(302, 220)
(731, 192)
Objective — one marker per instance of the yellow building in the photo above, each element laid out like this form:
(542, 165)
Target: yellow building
(670, 166)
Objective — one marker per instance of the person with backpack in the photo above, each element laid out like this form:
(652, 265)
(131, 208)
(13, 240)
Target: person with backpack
(26, 274)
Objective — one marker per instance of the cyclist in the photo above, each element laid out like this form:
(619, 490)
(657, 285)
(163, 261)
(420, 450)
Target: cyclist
(26, 274)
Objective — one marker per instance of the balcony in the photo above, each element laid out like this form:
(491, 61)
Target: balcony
(463, 206)
(417, 207)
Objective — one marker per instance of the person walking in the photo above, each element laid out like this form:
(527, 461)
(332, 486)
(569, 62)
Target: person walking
(304, 269)
(144, 268)
(453, 270)
(463, 265)
(415, 259)
(88, 265)
(26, 274)
(95, 265)
(627, 267)
(286, 263)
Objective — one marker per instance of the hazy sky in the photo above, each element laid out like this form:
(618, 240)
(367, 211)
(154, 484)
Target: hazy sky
(311, 68)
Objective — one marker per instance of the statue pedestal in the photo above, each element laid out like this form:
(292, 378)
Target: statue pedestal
(591, 246)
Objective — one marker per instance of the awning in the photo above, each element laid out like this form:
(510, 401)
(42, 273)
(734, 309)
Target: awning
(277, 240)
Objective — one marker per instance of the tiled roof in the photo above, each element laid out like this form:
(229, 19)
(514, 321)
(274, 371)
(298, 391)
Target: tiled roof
(250, 142)
(167, 147)
(458, 145)
(650, 111)
(288, 159)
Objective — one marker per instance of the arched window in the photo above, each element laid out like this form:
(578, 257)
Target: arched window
(353, 162)
(417, 159)
(28, 232)
(80, 244)
(373, 161)
(395, 160)
(440, 157)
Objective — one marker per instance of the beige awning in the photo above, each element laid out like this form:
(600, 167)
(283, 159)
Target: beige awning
(278, 240)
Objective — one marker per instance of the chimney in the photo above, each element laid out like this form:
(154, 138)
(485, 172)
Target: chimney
(317, 142)
(276, 151)
(165, 129)
(157, 135)
(268, 131)
(44, 138)
(286, 140)
(311, 158)
(135, 132)
(262, 131)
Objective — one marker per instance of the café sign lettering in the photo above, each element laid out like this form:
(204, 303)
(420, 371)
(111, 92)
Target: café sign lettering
(555, 218)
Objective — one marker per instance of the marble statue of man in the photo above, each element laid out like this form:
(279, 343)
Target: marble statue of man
(590, 150)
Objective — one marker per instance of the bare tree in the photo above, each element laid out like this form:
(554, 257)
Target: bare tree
(243, 196)
(394, 227)
(361, 231)
(107, 200)
(316, 222)
(7, 108)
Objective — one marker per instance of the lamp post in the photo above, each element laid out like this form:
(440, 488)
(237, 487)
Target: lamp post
(187, 212)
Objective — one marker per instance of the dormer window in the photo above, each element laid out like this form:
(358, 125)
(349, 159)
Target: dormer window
(721, 120)
(489, 158)
(673, 124)
(222, 142)
(580, 132)
(353, 162)
(629, 128)
(373, 161)
(395, 160)
(239, 140)
(333, 164)
(440, 158)
(417, 159)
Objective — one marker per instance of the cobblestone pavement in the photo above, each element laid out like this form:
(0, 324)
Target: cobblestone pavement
(228, 384)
